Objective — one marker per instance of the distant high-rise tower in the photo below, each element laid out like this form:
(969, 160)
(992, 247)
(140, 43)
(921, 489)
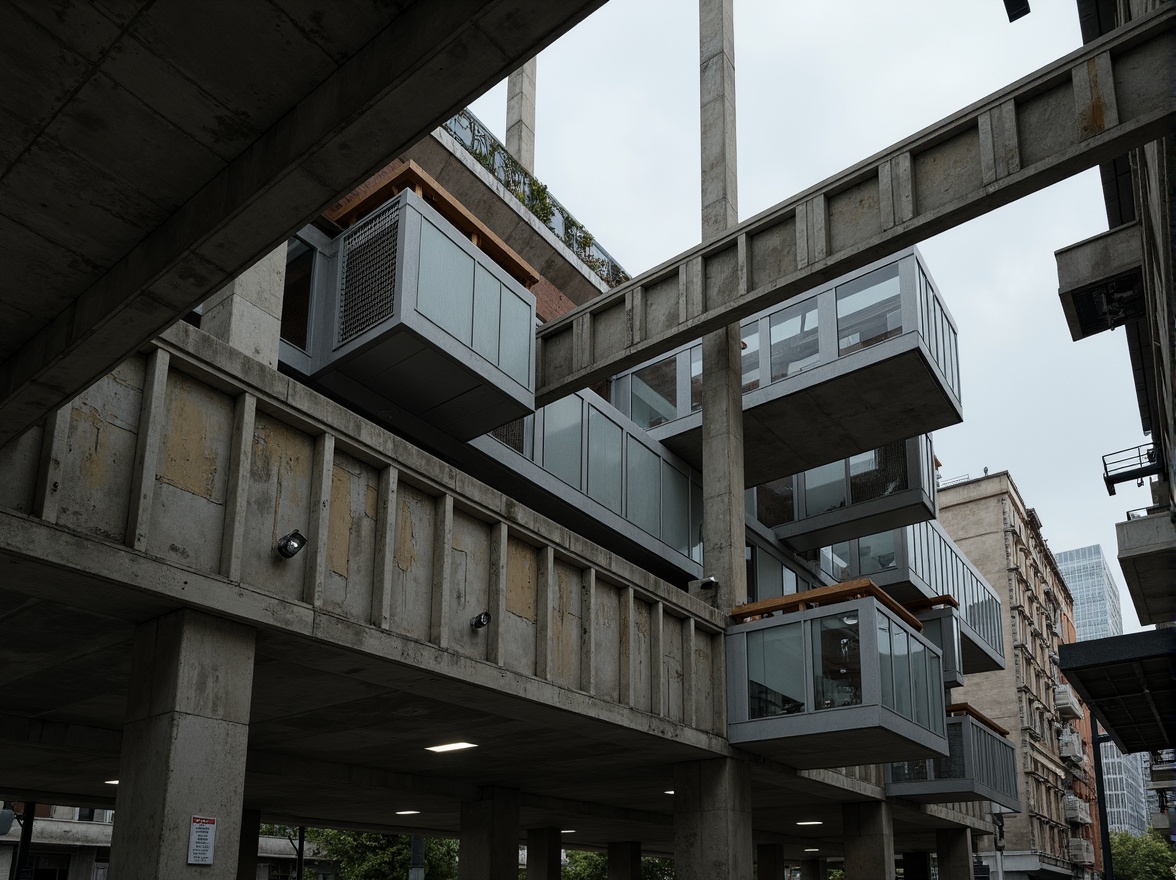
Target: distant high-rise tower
(1097, 615)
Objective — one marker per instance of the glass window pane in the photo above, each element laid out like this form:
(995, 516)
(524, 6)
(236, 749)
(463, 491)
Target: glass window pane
(296, 299)
(775, 671)
(675, 508)
(876, 553)
(774, 502)
(769, 576)
(919, 683)
(487, 302)
(935, 675)
(604, 460)
(445, 292)
(824, 488)
(562, 440)
(654, 396)
(885, 664)
(835, 561)
(516, 336)
(837, 661)
(519, 435)
(696, 378)
(902, 672)
(750, 356)
(643, 489)
(790, 584)
(793, 339)
(696, 521)
(877, 473)
(869, 310)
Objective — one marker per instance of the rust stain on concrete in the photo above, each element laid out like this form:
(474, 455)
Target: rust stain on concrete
(341, 523)
(521, 579)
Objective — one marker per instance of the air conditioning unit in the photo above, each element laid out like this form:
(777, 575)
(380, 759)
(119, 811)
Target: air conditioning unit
(1081, 851)
(1066, 702)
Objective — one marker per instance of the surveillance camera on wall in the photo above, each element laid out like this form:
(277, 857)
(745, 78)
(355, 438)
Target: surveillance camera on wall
(480, 620)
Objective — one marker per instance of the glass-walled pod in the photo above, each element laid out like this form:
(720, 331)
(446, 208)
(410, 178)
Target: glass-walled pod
(804, 687)
(942, 627)
(881, 334)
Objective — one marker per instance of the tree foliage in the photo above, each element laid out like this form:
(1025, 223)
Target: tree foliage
(368, 856)
(1147, 857)
(594, 866)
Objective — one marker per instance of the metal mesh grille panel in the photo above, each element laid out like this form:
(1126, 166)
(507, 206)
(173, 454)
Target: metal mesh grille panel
(367, 289)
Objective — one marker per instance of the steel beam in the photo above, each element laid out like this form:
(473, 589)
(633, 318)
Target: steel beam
(1110, 96)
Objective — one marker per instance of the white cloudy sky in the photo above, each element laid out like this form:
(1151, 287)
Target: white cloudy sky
(820, 86)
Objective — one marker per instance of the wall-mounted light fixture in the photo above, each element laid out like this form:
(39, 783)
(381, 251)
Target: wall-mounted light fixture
(480, 620)
(289, 545)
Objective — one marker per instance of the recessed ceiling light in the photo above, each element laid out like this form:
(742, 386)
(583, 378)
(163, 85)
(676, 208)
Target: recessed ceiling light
(408, 812)
(112, 782)
(811, 822)
(671, 791)
(812, 849)
(452, 747)
(568, 831)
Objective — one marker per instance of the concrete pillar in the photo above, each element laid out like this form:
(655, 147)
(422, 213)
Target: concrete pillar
(7, 855)
(490, 837)
(769, 862)
(81, 864)
(953, 846)
(247, 312)
(712, 820)
(723, 518)
(520, 115)
(247, 851)
(916, 866)
(624, 860)
(869, 841)
(543, 849)
(815, 869)
(183, 748)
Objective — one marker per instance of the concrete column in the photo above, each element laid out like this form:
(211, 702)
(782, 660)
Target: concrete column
(247, 851)
(247, 312)
(7, 855)
(183, 749)
(953, 846)
(712, 820)
(624, 860)
(916, 866)
(490, 837)
(769, 862)
(81, 864)
(543, 848)
(815, 869)
(520, 115)
(869, 841)
(723, 518)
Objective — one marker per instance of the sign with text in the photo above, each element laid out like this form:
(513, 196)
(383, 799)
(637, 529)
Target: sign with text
(201, 840)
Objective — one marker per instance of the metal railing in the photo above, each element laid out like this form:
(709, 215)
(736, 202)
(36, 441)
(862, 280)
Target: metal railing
(1131, 464)
(472, 134)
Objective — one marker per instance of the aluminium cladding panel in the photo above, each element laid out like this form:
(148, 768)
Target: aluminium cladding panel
(419, 317)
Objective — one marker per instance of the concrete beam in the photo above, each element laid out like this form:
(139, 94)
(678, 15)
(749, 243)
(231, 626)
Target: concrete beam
(430, 61)
(1089, 106)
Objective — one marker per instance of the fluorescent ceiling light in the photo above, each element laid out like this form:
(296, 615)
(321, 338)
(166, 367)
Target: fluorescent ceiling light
(568, 831)
(812, 849)
(671, 791)
(452, 747)
(811, 822)
(112, 782)
(408, 812)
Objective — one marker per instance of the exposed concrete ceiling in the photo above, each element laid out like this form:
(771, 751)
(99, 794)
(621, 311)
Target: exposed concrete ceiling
(152, 149)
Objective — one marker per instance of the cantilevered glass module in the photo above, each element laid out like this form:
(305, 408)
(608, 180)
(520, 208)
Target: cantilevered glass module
(866, 360)
(411, 316)
(847, 683)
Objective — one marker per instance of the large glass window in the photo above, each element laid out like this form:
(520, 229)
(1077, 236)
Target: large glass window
(446, 288)
(654, 396)
(516, 336)
(876, 553)
(562, 441)
(837, 661)
(675, 508)
(750, 356)
(919, 683)
(793, 339)
(877, 473)
(869, 310)
(835, 561)
(824, 488)
(769, 578)
(604, 460)
(775, 671)
(902, 671)
(885, 661)
(696, 378)
(643, 489)
(487, 311)
(774, 504)
(296, 298)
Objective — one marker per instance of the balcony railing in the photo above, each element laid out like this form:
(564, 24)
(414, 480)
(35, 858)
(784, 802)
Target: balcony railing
(981, 765)
(814, 361)
(493, 155)
(851, 682)
(1132, 464)
(884, 488)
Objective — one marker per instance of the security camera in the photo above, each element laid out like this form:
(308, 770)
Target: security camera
(480, 620)
(289, 545)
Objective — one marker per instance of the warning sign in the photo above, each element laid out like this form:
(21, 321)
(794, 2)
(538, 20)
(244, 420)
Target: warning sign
(201, 840)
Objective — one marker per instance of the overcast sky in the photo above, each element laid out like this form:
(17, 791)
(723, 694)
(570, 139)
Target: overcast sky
(821, 86)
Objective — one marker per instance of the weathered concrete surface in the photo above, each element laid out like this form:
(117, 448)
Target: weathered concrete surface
(543, 853)
(1026, 137)
(1147, 556)
(954, 850)
(869, 841)
(183, 749)
(490, 837)
(149, 155)
(712, 820)
(520, 115)
(247, 312)
(624, 860)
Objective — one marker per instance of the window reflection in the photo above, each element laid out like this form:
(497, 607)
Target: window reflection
(793, 340)
(837, 661)
(750, 357)
(824, 488)
(869, 310)
(296, 298)
(654, 396)
(775, 671)
(774, 504)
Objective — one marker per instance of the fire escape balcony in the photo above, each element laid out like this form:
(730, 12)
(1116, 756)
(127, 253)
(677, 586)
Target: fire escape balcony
(403, 313)
(981, 765)
(1077, 810)
(866, 360)
(1132, 464)
(885, 488)
(850, 681)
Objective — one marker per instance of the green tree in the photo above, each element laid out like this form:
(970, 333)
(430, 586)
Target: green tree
(368, 856)
(1148, 857)
(594, 866)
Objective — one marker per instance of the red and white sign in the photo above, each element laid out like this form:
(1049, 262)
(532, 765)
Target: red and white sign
(201, 840)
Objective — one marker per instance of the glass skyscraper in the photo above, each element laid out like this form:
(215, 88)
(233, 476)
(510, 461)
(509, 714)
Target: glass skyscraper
(1097, 615)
